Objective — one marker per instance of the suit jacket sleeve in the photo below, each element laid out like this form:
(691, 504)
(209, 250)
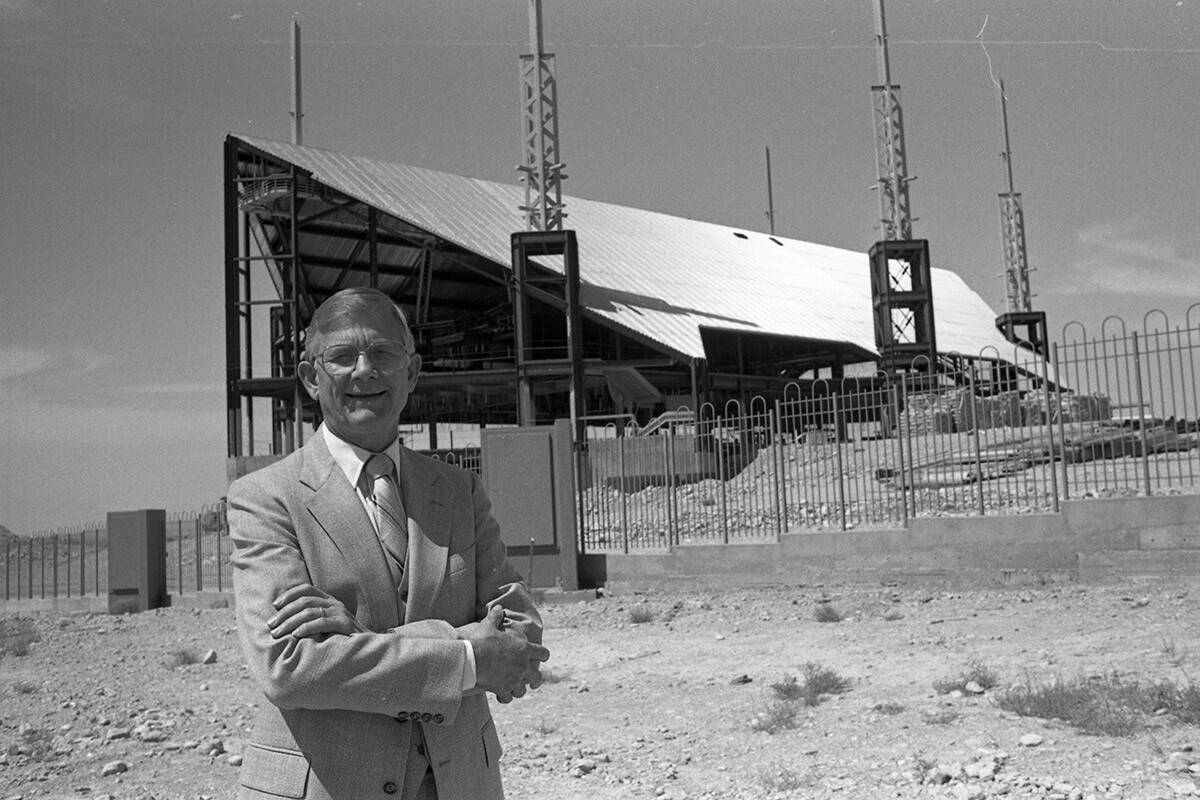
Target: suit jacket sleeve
(415, 667)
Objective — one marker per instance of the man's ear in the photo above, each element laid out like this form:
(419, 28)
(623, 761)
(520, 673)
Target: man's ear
(307, 373)
(414, 369)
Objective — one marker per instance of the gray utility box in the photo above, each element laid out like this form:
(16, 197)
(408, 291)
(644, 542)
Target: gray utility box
(137, 560)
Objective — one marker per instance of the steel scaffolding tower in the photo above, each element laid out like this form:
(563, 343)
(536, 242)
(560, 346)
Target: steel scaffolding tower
(901, 296)
(1020, 323)
(542, 167)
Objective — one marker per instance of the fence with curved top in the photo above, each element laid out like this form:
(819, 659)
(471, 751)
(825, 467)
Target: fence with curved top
(1115, 414)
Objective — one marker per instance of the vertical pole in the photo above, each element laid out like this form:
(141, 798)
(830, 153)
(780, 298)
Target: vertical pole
(7, 573)
(297, 113)
(777, 445)
(296, 433)
(247, 331)
(42, 564)
(233, 404)
(841, 487)
(770, 197)
(1050, 423)
(373, 246)
(199, 555)
(672, 500)
(624, 497)
(721, 479)
(96, 560)
(1141, 405)
(901, 472)
(220, 560)
(975, 440)
(1062, 433)
(54, 566)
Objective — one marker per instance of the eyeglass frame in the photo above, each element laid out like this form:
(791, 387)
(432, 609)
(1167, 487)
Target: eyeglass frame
(405, 350)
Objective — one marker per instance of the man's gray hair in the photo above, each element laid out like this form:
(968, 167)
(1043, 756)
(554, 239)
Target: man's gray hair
(345, 306)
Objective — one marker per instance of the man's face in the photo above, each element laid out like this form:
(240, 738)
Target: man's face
(362, 405)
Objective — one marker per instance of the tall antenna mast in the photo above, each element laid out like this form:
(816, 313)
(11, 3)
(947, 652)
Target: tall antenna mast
(542, 167)
(297, 113)
(1012, 229)
(894, 215)
(770, 196)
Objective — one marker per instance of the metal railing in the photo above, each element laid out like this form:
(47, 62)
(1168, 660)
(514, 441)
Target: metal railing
(1099, 417)
(198, 550)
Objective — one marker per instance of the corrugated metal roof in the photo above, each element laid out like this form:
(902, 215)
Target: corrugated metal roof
(661, 276)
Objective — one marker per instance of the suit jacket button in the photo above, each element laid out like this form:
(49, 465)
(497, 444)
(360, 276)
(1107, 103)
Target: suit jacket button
(427, 717)
(402, 716)
(389, 788)
(439, 719)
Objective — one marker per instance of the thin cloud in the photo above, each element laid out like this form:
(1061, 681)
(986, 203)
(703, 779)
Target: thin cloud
(22, 361)
(1127, 259)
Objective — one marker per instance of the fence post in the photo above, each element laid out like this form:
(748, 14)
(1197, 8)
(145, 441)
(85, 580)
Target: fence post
(624, 496)
(1062, 429)
(199, 557)
(721, 480)
(220, 561)
(96, 558)
(896, 389)
(1137, 373)
(837, 444)
(1050, 421)
(776, 426)
(975, 439)
(7, 574)
(54, 566)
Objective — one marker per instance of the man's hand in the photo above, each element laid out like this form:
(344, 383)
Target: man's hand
(504, 661)
(305, 610)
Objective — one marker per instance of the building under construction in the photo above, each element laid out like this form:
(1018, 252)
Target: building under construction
(671, 311)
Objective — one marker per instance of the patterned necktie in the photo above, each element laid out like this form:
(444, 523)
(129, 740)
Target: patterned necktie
(389, 513)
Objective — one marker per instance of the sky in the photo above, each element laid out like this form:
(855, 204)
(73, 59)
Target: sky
(113, 114)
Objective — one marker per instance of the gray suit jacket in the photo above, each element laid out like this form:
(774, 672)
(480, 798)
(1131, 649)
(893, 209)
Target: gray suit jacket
(342, 708)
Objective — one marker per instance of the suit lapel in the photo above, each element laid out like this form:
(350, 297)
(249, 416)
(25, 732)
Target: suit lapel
(428, 534)
(338, 511)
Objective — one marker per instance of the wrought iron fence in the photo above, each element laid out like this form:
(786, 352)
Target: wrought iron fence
(1112, 415)
(198, 550)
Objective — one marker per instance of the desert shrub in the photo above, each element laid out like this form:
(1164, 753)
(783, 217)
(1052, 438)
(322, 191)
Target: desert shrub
(16, 636)
(1103, 705)
(816, 682)
(825, 612)
(976, 672)
(891, 709)
(781, 778)
(777, 716)
(25, 687)
(820, 681)
(640, 614)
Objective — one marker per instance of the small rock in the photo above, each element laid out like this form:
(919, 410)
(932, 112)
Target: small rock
(741, 679)
(210, 657)
(1031, 740)
(113, 768)
(234, 760)
(117, 733)
(973, 687)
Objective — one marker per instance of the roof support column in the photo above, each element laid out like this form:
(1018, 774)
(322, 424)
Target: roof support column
(233, 424)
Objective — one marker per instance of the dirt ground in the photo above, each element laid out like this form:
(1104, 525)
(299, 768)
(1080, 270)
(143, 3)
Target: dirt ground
(662, 707)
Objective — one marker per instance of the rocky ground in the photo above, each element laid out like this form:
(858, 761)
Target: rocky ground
(662, 695)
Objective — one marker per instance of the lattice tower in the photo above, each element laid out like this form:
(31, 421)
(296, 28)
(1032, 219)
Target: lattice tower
(1012, 229)
(542, 167)
(891, 166)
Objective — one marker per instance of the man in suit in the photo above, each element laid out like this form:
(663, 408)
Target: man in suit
(374, 653)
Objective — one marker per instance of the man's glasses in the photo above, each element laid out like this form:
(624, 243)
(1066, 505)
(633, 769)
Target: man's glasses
(341, 359)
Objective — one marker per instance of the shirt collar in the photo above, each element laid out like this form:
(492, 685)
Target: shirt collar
(351, 458)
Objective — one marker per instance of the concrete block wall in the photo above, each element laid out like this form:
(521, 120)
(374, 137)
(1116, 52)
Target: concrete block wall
(1088, 540)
